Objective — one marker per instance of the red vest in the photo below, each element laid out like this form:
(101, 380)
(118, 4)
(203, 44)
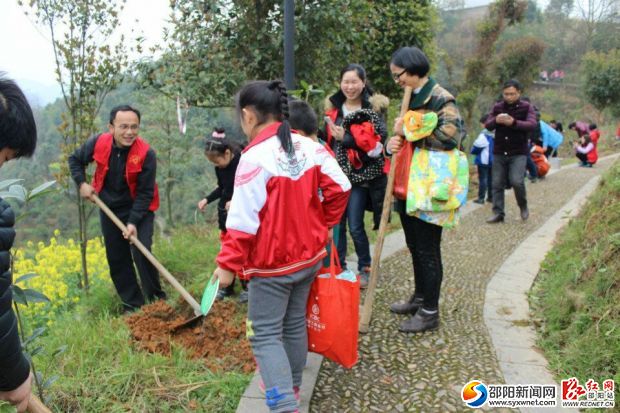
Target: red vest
(133, 166)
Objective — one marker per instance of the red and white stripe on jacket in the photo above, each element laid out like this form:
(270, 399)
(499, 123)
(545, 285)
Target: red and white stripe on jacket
(276, 223)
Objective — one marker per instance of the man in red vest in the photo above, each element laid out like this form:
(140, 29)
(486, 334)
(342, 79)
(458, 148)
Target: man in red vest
(124, 178)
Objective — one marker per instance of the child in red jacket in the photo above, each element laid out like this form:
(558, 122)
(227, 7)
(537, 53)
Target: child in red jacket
(277, 230)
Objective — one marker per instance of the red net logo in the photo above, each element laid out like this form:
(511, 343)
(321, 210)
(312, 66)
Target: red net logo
(590, 395)
(571, 389)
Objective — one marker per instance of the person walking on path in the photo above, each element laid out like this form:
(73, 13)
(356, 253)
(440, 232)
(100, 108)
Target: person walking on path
(410, 67)
(124, 178)
(511, 119)
(361, 161)
(483, 150)
(278, 180)
(18, 138)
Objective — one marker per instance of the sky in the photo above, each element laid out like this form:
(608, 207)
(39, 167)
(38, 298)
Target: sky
(30, 59)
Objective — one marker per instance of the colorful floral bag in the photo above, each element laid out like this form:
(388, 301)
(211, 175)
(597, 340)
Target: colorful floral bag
(438, 180)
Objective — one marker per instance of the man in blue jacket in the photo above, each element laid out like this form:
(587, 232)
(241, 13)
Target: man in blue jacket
(18, 138)
(511, 119)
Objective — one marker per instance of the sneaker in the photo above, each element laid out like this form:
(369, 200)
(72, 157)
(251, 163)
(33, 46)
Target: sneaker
(479, 201)
(296, 390)
(243, 297)
(364, 277)
(421, 321)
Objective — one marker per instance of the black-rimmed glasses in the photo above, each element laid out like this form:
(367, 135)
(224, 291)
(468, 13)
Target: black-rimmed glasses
(396, 76)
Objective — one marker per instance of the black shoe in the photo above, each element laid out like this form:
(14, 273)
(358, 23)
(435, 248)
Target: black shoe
(243, 297)
(495, 219)
(525, 214)
(490, 200)
(421, 321)
(407, 307)
(223, 293)
(479, 201)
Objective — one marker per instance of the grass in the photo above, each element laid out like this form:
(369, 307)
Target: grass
(101, 371)
(577, 292)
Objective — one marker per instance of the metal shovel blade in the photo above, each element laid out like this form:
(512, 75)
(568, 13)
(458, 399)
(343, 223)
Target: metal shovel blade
(208, 298)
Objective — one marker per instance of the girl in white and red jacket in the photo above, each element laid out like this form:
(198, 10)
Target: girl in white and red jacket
(277, 230)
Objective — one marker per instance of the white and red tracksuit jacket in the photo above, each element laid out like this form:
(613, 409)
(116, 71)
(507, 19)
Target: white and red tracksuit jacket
(277, 224)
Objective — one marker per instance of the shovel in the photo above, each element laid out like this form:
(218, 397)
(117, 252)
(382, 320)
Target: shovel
(208, 296)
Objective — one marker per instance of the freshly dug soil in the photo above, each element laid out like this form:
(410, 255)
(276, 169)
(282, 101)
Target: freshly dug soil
(219, 339)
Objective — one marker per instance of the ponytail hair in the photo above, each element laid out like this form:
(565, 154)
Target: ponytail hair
(269, 98)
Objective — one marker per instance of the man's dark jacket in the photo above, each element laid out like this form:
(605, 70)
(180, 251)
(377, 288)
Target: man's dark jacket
(512, 140)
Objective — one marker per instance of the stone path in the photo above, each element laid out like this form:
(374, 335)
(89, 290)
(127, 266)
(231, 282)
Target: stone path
(409, 373)
(425, 373)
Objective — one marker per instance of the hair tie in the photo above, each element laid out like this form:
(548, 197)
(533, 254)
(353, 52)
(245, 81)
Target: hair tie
(218, 135)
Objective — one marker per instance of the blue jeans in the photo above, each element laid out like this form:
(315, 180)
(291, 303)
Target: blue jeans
(484, 182)
(355, 216)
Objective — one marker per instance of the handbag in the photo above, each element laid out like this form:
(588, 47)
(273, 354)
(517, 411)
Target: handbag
(438, 180)
(416, 125)
(332, 313)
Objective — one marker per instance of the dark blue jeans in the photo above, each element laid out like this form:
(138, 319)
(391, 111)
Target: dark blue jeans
(355, 216)
(484, 182)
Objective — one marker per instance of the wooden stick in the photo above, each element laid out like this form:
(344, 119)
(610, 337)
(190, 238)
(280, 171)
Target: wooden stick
(163, 271)
(385, 214)
(35, 405)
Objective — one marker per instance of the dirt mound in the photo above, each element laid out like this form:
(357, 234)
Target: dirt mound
(219, 339)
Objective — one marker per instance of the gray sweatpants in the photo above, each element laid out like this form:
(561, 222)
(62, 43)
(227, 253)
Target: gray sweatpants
(278, 334)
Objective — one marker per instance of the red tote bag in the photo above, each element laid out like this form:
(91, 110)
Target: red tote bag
(332, 315)
(401, 170)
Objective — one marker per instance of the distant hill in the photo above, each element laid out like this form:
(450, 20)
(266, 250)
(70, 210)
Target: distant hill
(39, 94)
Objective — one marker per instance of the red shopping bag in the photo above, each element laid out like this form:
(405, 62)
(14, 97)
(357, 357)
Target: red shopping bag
(332, 315)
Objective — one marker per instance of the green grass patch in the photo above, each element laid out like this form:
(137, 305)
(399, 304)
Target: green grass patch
(189, 254)
(101, 370)
(577, 292)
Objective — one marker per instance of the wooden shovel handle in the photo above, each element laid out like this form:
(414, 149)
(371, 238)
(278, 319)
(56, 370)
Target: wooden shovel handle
(35, 405)
(163, 271)
(385, 214)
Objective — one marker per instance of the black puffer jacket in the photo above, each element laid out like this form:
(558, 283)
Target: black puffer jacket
(14, 368)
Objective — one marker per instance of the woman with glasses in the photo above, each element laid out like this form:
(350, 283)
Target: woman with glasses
(410, 68)
(355, 129)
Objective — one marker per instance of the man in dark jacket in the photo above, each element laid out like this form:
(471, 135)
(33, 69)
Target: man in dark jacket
(512, 119)
(125, 181)
(18, 138)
